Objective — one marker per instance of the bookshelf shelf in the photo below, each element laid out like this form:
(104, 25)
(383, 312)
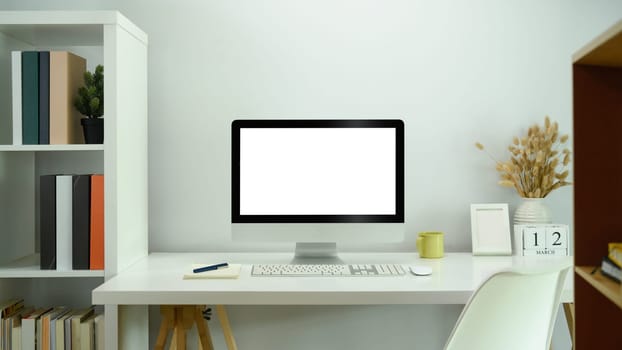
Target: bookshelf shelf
(110, 39)
(607, 287)
(49, 148)
(597, 106)
(28, 267)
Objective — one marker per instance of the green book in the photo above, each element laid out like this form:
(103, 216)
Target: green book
(30, 98)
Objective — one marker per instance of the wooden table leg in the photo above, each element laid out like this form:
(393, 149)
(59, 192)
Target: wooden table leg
(226, 327)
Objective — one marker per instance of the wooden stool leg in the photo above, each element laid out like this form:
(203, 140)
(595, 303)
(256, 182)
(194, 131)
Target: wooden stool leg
(161, 336)
(205, 339)
(168, 320)
(173, 345)
(180, 335)
(226, 327)
(569, 313)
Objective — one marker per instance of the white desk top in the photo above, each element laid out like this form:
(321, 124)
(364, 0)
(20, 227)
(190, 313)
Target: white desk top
(157, 280)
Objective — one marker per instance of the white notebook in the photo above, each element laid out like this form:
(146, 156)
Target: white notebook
(231, 271)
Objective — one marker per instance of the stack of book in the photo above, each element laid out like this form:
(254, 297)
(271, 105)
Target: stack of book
(50, 328)
(71, 220)
(611, 265)
(44, 84)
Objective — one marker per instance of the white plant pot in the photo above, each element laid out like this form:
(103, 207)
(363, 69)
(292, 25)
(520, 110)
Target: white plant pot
(532, 211)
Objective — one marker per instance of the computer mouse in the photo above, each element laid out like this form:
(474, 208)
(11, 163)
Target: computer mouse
(420, 270)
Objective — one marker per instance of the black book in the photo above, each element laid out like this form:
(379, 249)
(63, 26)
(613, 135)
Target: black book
(81, 221)
(610, 269)
(44, 97)
(47, 221)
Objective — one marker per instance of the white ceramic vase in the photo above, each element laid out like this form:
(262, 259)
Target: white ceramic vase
(532, 211)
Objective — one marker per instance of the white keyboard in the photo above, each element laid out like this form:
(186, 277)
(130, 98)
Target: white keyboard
(327, 270)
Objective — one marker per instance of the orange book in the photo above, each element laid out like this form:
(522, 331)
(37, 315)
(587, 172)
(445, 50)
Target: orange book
(97, 223)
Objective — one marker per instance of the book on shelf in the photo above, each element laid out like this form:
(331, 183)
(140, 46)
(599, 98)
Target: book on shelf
(47, 219)
(100, 334)
(81, 215)
(67, 329)
(64, 190)
(615, 253)
(76, 320)
(60, 329)
(46, 327)
(16, 95)
(10, 306)
(610, 269)
(30, 97)
(87, 333)
(44, 97)
(66, 75)
(29, 328)
(96, 257)
(16, 326)
(7, 310)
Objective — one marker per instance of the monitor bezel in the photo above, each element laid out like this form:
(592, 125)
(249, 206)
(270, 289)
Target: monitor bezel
(396, 124)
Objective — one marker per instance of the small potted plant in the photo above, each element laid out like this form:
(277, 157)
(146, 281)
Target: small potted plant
(90, 103)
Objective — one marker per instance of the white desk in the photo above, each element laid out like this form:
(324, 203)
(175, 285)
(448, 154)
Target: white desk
(157, 280)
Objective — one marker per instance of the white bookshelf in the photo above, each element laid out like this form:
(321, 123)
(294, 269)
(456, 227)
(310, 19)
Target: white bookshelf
(102, 37)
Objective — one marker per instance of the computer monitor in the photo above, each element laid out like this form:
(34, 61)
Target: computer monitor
(318, 183)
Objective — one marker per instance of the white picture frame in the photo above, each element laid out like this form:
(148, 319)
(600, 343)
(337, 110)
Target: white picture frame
(490, 229)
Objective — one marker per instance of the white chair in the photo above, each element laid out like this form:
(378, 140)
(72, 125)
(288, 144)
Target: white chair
(511, 310)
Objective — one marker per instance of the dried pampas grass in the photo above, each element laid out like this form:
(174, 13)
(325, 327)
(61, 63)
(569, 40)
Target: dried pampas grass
(537, 166)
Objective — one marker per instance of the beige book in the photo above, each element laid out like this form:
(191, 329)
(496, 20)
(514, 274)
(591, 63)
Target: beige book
(100, 332)
(66, 75)
(76, 319)
(87, 333)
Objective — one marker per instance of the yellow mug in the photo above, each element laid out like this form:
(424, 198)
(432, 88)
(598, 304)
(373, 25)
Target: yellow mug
(430, 244)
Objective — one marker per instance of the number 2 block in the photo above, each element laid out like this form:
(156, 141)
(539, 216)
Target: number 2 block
(557, 238)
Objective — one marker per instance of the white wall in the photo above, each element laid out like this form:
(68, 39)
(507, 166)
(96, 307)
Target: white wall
(456, 71)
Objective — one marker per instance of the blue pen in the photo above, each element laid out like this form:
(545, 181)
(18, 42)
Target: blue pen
(209, 268)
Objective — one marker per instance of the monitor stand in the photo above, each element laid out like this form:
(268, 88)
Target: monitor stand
(316, 253)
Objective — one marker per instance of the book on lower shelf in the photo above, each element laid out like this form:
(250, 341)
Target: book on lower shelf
(50, 327)
(29, 328)
(610, 269)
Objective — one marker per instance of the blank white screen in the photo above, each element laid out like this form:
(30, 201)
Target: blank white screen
(317, 171)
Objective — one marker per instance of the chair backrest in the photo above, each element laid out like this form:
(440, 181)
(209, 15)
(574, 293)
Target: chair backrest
(511, 310)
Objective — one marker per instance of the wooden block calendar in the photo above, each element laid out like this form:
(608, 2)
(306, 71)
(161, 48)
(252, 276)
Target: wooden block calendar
(541, 240)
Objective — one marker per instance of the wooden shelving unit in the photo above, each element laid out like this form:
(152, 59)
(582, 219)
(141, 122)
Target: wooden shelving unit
(610, 289)
(597, 104)
(102, 37)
